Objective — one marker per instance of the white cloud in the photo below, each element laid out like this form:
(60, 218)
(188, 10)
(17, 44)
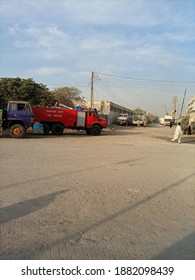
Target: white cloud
(125, 12)
(47, 71)
(131, 13)
(45, 42)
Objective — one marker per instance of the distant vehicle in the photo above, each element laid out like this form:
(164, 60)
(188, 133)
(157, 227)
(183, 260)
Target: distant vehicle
(124, 119)
(138, 119)
(161, 121)
(168, 119)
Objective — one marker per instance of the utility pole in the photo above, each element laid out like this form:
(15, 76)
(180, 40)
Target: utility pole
(92, 90)
(174, 100)
(166, 110)
(183, 102)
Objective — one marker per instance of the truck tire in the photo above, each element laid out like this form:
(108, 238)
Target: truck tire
(46, 128)
(96, 130)
(88, 131)
(57, 129)
(17, 131)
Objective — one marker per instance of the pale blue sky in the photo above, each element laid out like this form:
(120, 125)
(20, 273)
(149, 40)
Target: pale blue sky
(59, 43)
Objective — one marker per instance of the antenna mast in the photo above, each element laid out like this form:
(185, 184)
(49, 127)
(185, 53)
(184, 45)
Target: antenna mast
(183, 102)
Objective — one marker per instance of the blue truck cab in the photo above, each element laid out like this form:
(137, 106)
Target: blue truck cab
(17, 118)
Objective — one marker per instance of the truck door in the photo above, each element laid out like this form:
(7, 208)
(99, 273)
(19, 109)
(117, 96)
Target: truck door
(20, 111)
(80, 119)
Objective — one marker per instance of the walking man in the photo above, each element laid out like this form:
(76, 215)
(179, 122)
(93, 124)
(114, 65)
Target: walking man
(177, 133)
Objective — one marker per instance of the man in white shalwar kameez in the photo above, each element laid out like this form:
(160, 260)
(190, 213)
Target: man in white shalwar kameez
(178, 133)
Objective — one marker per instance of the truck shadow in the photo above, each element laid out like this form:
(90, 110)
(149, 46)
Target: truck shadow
(26, 207)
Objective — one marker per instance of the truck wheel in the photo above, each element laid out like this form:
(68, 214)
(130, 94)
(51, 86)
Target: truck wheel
(95, 130)
(88, 131)
(46, 128)
(57, 129)
(17, 131)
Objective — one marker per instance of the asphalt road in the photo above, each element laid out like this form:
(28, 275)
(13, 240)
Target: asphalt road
(127, 194)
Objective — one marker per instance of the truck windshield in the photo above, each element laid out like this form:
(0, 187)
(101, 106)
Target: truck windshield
(20, 107)
(93, 114)
(27, 107)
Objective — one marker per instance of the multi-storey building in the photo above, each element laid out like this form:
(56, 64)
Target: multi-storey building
(191, 112)
(110, 110)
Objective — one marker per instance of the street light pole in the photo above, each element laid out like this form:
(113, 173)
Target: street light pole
(183, 102)
(92, 90)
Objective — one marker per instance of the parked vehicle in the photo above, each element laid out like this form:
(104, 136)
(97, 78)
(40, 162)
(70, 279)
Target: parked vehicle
(168, 119)
(16, 118)
(138, 120)
(124, 119)
(59, 117)
(161, 121)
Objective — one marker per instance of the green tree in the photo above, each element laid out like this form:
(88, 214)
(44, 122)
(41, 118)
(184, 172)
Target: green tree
(185, 123)
(139, 111)
(24, 89)
(153, 118)
(69, 96)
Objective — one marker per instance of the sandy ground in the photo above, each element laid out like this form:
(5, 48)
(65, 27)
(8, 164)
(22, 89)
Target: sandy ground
(79, 188)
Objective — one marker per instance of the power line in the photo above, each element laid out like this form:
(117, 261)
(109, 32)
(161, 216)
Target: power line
(141, 88)
(142, 79)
